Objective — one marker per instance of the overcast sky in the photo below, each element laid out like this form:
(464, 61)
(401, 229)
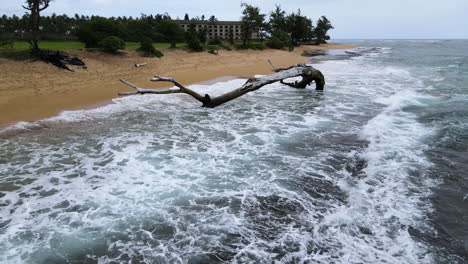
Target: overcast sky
(353, 19)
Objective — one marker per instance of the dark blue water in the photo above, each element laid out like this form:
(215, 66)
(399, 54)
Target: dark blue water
(442, 65)
(372, 170)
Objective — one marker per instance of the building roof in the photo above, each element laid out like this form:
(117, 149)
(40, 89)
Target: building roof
(207, 22)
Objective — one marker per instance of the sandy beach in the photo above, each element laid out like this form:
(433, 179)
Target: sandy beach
(32, 91)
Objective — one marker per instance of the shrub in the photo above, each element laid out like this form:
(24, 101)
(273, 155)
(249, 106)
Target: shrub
(194, 44)
(241, 46)
(279, 40)
(111, 44)
(255, 46)
(215, 41)
(275, 43)
(171, 30)
(259, 46)
(88, 36)
(250, 45)
(225, 47)
(202, 35)
(148, 49)
(281, 35)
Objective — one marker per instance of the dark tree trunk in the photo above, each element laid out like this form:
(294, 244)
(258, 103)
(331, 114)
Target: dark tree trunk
(35, 17)
(35, 7)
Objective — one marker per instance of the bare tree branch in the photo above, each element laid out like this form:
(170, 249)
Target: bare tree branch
(183, 89)
(46, 4)
(139, 90)
(308, 73)
(273, 66)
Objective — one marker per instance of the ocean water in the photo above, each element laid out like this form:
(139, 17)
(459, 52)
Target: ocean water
(372, 170)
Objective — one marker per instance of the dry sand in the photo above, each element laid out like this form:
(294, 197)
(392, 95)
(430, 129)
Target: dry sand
(31, 91)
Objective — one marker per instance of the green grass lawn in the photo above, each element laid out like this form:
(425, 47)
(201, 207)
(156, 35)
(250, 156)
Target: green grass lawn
(74, 45)
(21, 48)
(136, 45)
(51, 45)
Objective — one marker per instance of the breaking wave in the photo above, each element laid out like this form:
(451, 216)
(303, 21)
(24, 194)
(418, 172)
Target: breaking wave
(278, 176)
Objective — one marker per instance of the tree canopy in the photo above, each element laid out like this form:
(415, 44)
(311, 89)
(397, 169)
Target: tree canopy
(252, 21)
(278, 26)
(321, 30)
(278, 20)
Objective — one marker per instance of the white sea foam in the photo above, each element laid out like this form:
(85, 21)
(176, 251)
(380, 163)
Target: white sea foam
(262, 180)
(387, 202)
(132, 103)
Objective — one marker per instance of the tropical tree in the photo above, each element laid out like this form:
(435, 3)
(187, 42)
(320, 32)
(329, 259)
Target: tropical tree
(252, 21)
(278, 20)
(321, 30)
(212, 19)
(202, 34)
(138, 29)
(35, 7)
(98, 28)
(172, 31)
(231, 36)
(299, 27)
(262, 31)
(191, 38)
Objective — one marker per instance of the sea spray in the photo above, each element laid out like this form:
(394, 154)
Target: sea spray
(280, 175)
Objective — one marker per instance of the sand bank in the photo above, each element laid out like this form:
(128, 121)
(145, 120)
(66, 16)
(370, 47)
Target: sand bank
(31, 91)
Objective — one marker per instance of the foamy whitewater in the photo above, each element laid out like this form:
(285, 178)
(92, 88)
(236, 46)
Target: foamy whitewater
(365, 172)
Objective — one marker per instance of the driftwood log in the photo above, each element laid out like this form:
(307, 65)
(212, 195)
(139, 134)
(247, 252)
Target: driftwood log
(138, 65)
(308, 73)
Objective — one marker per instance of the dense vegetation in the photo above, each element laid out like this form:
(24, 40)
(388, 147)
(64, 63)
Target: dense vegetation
(148, 50)
(278, 30)
(111, 44)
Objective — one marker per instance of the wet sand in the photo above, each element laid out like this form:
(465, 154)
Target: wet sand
(32, 91)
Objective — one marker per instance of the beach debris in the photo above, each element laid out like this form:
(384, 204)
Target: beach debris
(140, 65)
(352, 53)
(308, 73)
(60, 59)
(312, 53)
(213, 50)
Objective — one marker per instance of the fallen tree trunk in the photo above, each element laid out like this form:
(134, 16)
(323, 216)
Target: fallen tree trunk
(308, 73)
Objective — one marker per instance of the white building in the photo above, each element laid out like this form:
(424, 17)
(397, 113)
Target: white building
(220, 29)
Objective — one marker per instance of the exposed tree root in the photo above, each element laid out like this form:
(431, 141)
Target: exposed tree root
(59, 59)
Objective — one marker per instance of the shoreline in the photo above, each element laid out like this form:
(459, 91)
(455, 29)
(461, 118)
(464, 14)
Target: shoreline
(35, 91)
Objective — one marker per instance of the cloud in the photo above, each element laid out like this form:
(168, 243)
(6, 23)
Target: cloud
(109, 2)
(351, 18)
